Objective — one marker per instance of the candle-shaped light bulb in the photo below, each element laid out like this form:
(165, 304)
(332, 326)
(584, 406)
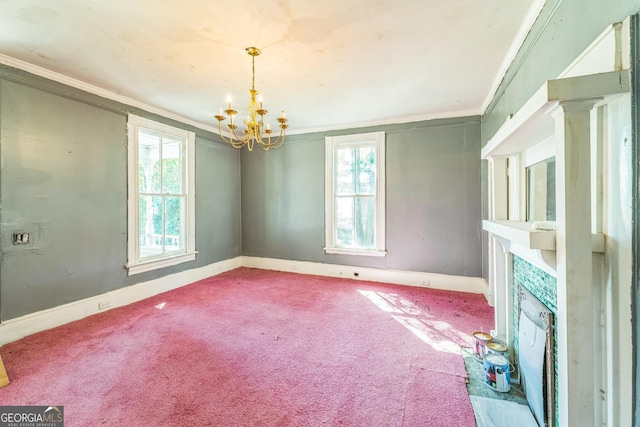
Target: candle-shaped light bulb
(260, 101)
(229, 101)
(221, 111)
(282, 114)
(268, 126)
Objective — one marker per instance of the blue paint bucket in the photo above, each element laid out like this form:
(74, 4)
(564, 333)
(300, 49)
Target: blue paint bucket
(497, 374)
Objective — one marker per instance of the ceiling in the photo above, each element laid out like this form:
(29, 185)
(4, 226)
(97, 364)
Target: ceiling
(330, 64)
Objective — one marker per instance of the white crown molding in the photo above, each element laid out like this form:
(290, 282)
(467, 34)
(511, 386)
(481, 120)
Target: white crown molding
(525, 28)
(393, 121)
(95, 90)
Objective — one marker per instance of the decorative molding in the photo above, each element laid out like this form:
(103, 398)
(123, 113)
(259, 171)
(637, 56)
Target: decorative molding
(95, 90)
(20, 327)
(516, 44)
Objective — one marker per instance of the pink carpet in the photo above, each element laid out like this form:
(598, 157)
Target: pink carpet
(258, 348)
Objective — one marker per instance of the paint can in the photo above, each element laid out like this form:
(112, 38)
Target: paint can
(494, 347)
(497, 374)
(480, 340)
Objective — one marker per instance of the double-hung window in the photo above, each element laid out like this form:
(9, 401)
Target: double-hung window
(355, 194)
(161, 195)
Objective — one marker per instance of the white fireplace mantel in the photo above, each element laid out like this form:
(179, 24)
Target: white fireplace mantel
(561, 110)
(579, 118)
(535, 246)
(532, 122)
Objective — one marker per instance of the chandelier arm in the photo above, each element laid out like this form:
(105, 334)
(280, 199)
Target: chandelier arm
(235, 144)
(275, 144)
(227, 140)
(239, 143)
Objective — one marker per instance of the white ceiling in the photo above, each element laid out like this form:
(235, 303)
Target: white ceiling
(330, 64)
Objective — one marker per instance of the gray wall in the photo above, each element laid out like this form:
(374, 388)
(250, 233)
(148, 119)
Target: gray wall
(63, 178)
(433, 199)
(561, 32)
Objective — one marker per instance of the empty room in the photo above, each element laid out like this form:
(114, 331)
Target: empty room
(297, 213)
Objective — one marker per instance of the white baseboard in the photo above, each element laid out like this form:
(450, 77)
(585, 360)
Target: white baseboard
(476, 285)
(20, 327)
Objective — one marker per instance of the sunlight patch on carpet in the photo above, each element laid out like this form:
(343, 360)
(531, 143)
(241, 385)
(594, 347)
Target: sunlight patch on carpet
(441, 336)
(429, 334)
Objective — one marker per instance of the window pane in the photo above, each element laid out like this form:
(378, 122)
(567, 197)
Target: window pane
(365, 222)
(171, 166)
(366, 179)
(148, 157)
(344, 171)
(142, 179)
(174, 236)
(150, 226)
(344, 221)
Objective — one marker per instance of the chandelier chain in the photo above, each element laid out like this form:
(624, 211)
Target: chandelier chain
(253, 72)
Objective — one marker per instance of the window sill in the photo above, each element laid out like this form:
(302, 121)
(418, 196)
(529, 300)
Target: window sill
(361, 252)
(155, 264)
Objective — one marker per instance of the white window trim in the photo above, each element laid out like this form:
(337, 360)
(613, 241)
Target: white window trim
(133, 265)
(352, 140)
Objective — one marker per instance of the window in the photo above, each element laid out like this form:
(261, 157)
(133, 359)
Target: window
(161, 196)
(354, 191)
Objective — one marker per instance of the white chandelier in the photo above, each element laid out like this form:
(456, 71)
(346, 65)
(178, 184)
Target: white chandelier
(255, 125)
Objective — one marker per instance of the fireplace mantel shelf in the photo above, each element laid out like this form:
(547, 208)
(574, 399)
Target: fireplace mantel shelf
(533, 122)
(522, 233)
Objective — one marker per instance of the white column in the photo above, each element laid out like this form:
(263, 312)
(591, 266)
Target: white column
(504, 293)
(577, 369)
(498, 210)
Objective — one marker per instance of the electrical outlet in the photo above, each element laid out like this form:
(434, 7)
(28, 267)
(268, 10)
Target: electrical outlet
(21, 238)
(104, 304)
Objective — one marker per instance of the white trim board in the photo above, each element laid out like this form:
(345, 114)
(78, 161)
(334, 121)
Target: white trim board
(475, 285)
(20, 327)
